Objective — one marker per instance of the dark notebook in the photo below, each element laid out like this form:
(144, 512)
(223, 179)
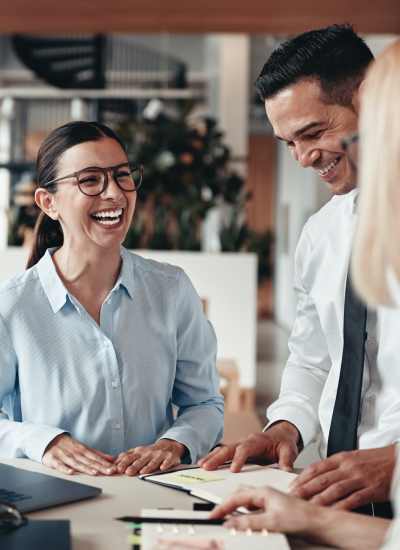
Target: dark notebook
(38, 535)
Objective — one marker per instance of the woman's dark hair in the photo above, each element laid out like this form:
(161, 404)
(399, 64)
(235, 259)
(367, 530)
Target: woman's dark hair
(48, 232)
(335, 55)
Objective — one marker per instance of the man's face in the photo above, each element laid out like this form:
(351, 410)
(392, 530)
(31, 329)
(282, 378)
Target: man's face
(313, 130)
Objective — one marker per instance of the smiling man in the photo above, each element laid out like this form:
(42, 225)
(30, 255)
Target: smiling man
(332, 385)
(313, 129)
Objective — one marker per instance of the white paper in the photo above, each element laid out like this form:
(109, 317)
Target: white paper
(217, 485)
(187, 537)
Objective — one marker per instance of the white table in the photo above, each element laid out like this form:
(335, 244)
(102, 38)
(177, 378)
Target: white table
(93, 526)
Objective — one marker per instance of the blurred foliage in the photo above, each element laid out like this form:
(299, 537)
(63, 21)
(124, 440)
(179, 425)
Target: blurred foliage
(23, 211)
(236, 236)
(186, 173)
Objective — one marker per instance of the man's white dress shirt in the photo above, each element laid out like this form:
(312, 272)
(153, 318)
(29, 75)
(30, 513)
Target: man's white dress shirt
(311, 376)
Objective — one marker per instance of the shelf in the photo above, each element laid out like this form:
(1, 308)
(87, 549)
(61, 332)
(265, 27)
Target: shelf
(115, 93)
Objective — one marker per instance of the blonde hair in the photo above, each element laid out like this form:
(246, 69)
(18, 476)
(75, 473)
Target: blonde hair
(377, 240)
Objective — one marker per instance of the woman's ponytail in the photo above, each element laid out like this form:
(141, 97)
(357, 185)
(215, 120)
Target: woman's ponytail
(47, 234)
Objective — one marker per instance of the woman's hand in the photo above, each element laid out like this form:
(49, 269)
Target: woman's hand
(69, 456)
(162, 455)
(276, 511)
(288, 514)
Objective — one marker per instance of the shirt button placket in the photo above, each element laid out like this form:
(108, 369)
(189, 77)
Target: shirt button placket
(117, 434)
(115, 397)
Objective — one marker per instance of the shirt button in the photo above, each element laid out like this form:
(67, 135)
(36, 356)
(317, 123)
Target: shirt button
(114, 384)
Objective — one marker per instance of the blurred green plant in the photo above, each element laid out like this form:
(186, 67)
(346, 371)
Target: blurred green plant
(187, 172)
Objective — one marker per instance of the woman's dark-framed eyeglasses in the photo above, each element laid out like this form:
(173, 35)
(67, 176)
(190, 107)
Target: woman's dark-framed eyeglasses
(93, 180)
(10, 517)
(350, 147)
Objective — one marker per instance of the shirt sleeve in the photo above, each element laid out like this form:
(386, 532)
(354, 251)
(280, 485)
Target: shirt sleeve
(309, 362)
(17, 439)
(199, 424)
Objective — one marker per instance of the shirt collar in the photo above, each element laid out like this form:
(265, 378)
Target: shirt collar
(51, 282)
(393, 284)
(126, 276)
(55, 290)
(354, 198)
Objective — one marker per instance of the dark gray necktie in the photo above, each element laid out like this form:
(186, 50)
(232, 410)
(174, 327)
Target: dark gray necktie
(344, 424)
(346, 412)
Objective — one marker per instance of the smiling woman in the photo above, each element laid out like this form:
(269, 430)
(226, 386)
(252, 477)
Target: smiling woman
(75, 158)
(98, 343)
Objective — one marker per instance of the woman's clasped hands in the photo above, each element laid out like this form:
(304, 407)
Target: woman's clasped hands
(69, 456)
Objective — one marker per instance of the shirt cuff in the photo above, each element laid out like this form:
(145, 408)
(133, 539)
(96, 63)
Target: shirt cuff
(191, 456)
(304, 424)
(38, 439)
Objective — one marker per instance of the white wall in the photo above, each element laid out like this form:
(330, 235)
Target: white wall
(227, 281)
(300, 193)
(228, 69)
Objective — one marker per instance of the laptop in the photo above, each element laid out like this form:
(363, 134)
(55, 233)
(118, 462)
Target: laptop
(30, 491)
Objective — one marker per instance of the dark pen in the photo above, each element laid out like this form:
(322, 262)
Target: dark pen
(183, 521)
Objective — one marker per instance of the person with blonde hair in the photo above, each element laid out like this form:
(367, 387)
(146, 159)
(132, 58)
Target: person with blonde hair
(376, 274)
(376, 245)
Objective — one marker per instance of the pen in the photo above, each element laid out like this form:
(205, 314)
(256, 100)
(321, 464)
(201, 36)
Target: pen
(184, 521)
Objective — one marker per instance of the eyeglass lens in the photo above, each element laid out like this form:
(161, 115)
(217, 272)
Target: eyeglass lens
(93, 180)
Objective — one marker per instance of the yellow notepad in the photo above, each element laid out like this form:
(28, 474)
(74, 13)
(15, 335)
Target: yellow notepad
(214, 486)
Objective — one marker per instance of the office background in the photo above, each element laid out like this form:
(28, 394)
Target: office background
(158, 61)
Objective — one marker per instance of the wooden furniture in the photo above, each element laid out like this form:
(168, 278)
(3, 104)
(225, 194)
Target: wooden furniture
(260, 16)
(229, 373)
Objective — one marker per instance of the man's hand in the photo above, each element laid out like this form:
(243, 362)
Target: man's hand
(349, 479)
(277, 444)
(69, 456)
(162, 455)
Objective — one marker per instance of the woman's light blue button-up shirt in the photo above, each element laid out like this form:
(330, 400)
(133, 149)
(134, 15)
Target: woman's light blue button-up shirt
(111, 386)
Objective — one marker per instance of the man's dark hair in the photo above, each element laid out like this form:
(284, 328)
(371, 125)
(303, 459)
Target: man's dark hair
(335, 55)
